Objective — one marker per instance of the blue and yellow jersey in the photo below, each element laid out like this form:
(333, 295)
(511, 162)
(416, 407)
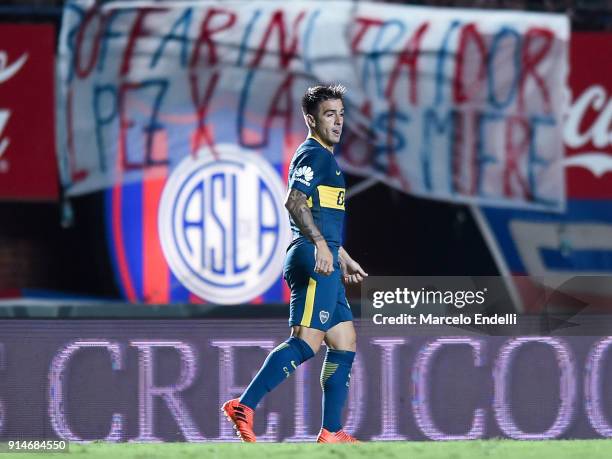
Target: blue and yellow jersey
(315, 172)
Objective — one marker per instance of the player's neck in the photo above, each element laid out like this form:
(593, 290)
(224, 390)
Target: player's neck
(323, 144)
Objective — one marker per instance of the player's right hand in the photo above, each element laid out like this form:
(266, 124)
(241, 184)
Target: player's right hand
(324, 260)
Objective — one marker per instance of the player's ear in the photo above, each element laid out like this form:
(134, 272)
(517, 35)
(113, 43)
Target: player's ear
(310, 120)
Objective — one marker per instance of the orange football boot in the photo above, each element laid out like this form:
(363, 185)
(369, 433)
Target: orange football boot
(325, 436)
(242, 417)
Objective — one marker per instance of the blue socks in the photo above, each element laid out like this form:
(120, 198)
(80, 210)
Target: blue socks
(335, 377)
(279, 365)
(282, 362)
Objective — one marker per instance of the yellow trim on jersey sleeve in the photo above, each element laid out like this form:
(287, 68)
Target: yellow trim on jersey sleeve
(308, 307)
(331, 197)
(309, 201)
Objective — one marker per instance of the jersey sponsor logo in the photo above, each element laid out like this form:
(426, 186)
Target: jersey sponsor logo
(323, 316)
(303, 175)
(222, 225)
(338, 172)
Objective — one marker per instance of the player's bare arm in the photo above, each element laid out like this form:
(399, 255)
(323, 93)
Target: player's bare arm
(352, 272)
(298, 209)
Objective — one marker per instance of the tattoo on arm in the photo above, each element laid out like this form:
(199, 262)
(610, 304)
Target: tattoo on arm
(299, 211)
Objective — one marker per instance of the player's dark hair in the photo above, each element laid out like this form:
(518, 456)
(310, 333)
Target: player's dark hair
(317, 94)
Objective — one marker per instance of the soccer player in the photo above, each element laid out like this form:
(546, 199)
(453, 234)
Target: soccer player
(315, 268)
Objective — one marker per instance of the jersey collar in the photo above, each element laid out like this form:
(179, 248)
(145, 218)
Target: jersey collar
(319, 142)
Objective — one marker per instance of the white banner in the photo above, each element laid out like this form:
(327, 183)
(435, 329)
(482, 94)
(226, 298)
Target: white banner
(461, 105)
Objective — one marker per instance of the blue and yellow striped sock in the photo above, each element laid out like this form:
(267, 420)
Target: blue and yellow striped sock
(335, 377)
(279, 365)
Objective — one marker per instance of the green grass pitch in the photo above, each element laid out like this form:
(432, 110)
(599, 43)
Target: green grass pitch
(486, 449)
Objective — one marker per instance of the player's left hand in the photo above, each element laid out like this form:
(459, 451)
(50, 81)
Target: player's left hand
(352, 272)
